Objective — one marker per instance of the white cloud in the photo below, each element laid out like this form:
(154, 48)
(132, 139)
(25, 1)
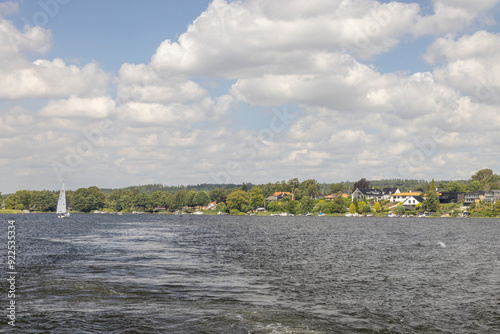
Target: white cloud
(470, 64)
(250, 38)
(141, 84)
(15, 43)
(76, 107)
(23, 79)
(453, 16)
(354, 121)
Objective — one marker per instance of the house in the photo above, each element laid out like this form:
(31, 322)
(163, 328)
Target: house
(492, 196)
(387, 192)
(211, 206)
(160, 208)
(474, 197)
(278, 196)
(411, 202)
(332, 197)
(401, 197)
(451, 197)
(281, 194)
(377, 194)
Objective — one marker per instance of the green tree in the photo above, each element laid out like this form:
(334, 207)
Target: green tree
(256, 197)
(237, 200)
(377, 208)
(311, 187)
(24, 197)
(335, 188)
(400, 209)
(456, 187)
(158, 198)
(431, 203)
(366, 208)
(352, 208)
(169, 202)
(432, 186)
(201, 198)
(11, 202)
(221, 207)
(497, 207)
(274, 207)
(474, 185)
(482, 176)
(188, 199)
(115, 195)
(125, 202)
(218, 195)
(338, 203)
(44, 201)
(88, 199)
(178, 200)
(355, 201)
(142, 201)
(291, 207)
(307, 204)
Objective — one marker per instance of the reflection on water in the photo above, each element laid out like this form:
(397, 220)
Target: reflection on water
(169, 274)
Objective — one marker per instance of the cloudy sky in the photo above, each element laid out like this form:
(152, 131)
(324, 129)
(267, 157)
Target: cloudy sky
(120, 92)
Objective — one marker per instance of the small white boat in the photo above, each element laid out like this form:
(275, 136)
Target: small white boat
(62, 210)
(197, 213)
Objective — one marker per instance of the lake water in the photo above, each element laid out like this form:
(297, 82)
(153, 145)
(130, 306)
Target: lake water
(222, 274)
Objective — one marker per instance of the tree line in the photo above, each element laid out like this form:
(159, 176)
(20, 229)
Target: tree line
(240, 198)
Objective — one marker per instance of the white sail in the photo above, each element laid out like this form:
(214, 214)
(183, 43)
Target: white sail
(61, 203)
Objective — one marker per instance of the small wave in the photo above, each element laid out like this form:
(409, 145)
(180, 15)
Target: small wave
(441, 244)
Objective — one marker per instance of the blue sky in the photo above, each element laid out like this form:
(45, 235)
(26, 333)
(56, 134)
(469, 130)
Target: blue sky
(113, 32)
(254, 91)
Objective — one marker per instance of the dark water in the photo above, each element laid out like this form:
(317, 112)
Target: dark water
(169, 274)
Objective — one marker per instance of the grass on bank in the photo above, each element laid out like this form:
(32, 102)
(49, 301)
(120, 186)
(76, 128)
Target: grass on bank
(10, 212)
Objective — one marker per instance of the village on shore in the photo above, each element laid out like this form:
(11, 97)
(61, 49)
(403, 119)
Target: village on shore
(477, 197)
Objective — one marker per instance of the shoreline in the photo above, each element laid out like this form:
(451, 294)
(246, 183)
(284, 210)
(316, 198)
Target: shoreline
(19, 212)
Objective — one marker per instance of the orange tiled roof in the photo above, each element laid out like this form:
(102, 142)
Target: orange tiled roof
(279, 193)
(407, 194)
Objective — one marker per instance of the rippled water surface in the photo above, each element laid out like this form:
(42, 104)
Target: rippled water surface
(208, 274)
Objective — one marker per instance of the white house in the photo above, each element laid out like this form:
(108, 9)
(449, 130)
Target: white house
(412, 202)
(401, 197)
(385, 193)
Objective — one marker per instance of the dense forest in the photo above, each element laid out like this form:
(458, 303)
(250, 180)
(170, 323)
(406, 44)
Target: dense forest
(304, 196)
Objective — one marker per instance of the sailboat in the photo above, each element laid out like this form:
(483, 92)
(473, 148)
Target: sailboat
(61, 204)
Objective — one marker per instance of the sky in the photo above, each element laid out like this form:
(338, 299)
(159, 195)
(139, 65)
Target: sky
(120, 92)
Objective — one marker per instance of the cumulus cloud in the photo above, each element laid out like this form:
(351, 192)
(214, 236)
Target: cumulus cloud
(353, 120)
(238, 39)
(24, 79)
(76, 107)
(469, 64)
(452, 16)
